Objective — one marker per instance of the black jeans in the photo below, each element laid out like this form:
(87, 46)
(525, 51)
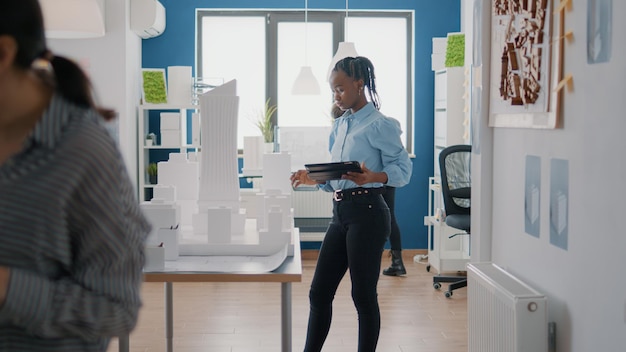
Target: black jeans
(354, 240)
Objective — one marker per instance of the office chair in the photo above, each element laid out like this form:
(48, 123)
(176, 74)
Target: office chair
(456, 181)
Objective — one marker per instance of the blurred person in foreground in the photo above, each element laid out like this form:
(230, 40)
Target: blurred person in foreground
(72, 234)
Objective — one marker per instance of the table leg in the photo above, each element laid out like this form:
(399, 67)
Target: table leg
(169, 317)
(285, 311)
(124, 343)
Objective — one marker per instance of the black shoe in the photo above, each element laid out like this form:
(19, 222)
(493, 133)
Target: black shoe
(397, 267)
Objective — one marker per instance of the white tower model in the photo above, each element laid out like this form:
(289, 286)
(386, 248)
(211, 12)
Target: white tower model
(218, 199)
(218, 225)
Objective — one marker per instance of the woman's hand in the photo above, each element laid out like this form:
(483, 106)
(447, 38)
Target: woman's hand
(301, 177)
(366, 176)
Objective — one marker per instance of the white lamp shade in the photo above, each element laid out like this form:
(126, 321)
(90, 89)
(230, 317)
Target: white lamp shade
(72, 19)
(345, 49)
(306, 83)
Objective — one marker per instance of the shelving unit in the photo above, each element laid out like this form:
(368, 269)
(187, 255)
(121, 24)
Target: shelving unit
(444, 253)
(149, 121)
(449, 114)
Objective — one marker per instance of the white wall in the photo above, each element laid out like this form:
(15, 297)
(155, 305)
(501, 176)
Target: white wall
(585, 283)
(113, 63)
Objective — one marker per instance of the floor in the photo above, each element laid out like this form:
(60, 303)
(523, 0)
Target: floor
(245, 317)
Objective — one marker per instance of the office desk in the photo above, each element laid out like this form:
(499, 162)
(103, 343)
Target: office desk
(289, 271)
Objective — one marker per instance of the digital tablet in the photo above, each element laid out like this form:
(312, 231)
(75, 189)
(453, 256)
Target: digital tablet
(331, 171)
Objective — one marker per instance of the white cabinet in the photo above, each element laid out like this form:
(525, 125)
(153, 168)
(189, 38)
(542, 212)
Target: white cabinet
(445, 253)
(177, 130)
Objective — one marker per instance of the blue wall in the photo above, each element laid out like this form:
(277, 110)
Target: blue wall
(176, 46)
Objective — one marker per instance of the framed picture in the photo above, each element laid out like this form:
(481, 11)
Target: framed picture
(154, 89)
(526, 62)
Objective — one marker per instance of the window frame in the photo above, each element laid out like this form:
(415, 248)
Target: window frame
(337, 18)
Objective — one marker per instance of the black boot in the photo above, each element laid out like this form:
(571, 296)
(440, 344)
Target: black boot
(397, 267)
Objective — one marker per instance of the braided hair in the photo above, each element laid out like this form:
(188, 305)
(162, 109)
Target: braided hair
(359, 68)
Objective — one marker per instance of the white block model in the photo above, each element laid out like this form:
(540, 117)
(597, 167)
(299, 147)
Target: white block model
(218, 224)
(219, 178)
(276, 170)
(253, 149)
(183, 174)
(164, 215)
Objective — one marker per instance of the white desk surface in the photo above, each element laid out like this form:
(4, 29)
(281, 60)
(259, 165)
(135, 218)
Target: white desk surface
(289, 271)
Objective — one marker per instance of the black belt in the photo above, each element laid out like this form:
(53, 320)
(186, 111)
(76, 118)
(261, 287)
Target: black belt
(345, 194)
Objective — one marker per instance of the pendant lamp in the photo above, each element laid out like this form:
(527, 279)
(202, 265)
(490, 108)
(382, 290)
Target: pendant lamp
(73, 19)
(345, 49)
(305, 83)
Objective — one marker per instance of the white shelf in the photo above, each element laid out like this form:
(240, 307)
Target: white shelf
(444, 253)
(171, 147)
(169, 107)
(449, 115)
(143, 158)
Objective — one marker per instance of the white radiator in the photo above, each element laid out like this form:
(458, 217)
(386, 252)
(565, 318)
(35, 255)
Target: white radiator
(312, 204)
(504, 313)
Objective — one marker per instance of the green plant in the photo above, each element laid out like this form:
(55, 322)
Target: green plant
(152, 169)
(151, 136)
(154, 88)
(264, 122)
(455, 50)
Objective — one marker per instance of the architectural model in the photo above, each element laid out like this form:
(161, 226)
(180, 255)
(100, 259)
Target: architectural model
(522, 28)
(197, 203)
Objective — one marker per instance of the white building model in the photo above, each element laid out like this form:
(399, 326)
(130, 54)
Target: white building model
(201, 199)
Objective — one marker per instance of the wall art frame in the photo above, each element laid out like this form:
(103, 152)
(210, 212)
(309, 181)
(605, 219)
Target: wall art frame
(153, 86)
(526, 63)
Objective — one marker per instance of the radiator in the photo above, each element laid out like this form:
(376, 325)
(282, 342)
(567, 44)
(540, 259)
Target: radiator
(312, 204)
(504, 313)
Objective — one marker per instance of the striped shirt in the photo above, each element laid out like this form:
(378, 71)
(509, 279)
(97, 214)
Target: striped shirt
(72, 233)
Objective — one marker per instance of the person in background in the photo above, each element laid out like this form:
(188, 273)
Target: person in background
(72, 233)
(361, 222)
(395, 239)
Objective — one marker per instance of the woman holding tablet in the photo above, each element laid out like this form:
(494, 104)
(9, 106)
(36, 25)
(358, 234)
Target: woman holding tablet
(356, 235)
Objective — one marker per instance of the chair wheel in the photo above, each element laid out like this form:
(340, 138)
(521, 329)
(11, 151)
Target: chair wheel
(436, 285)
(448, 294)
(428, 268)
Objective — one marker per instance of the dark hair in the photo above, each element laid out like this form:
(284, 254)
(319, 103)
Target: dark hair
(23, 20)
(336, 111)
(358, 68)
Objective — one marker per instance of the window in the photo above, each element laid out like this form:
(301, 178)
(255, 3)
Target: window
(264, 51)
(239, 55)
(303, 110)
(377, 39)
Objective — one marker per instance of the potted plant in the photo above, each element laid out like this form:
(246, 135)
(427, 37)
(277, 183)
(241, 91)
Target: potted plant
(152, 170)
(151, 139)
(264, 122)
